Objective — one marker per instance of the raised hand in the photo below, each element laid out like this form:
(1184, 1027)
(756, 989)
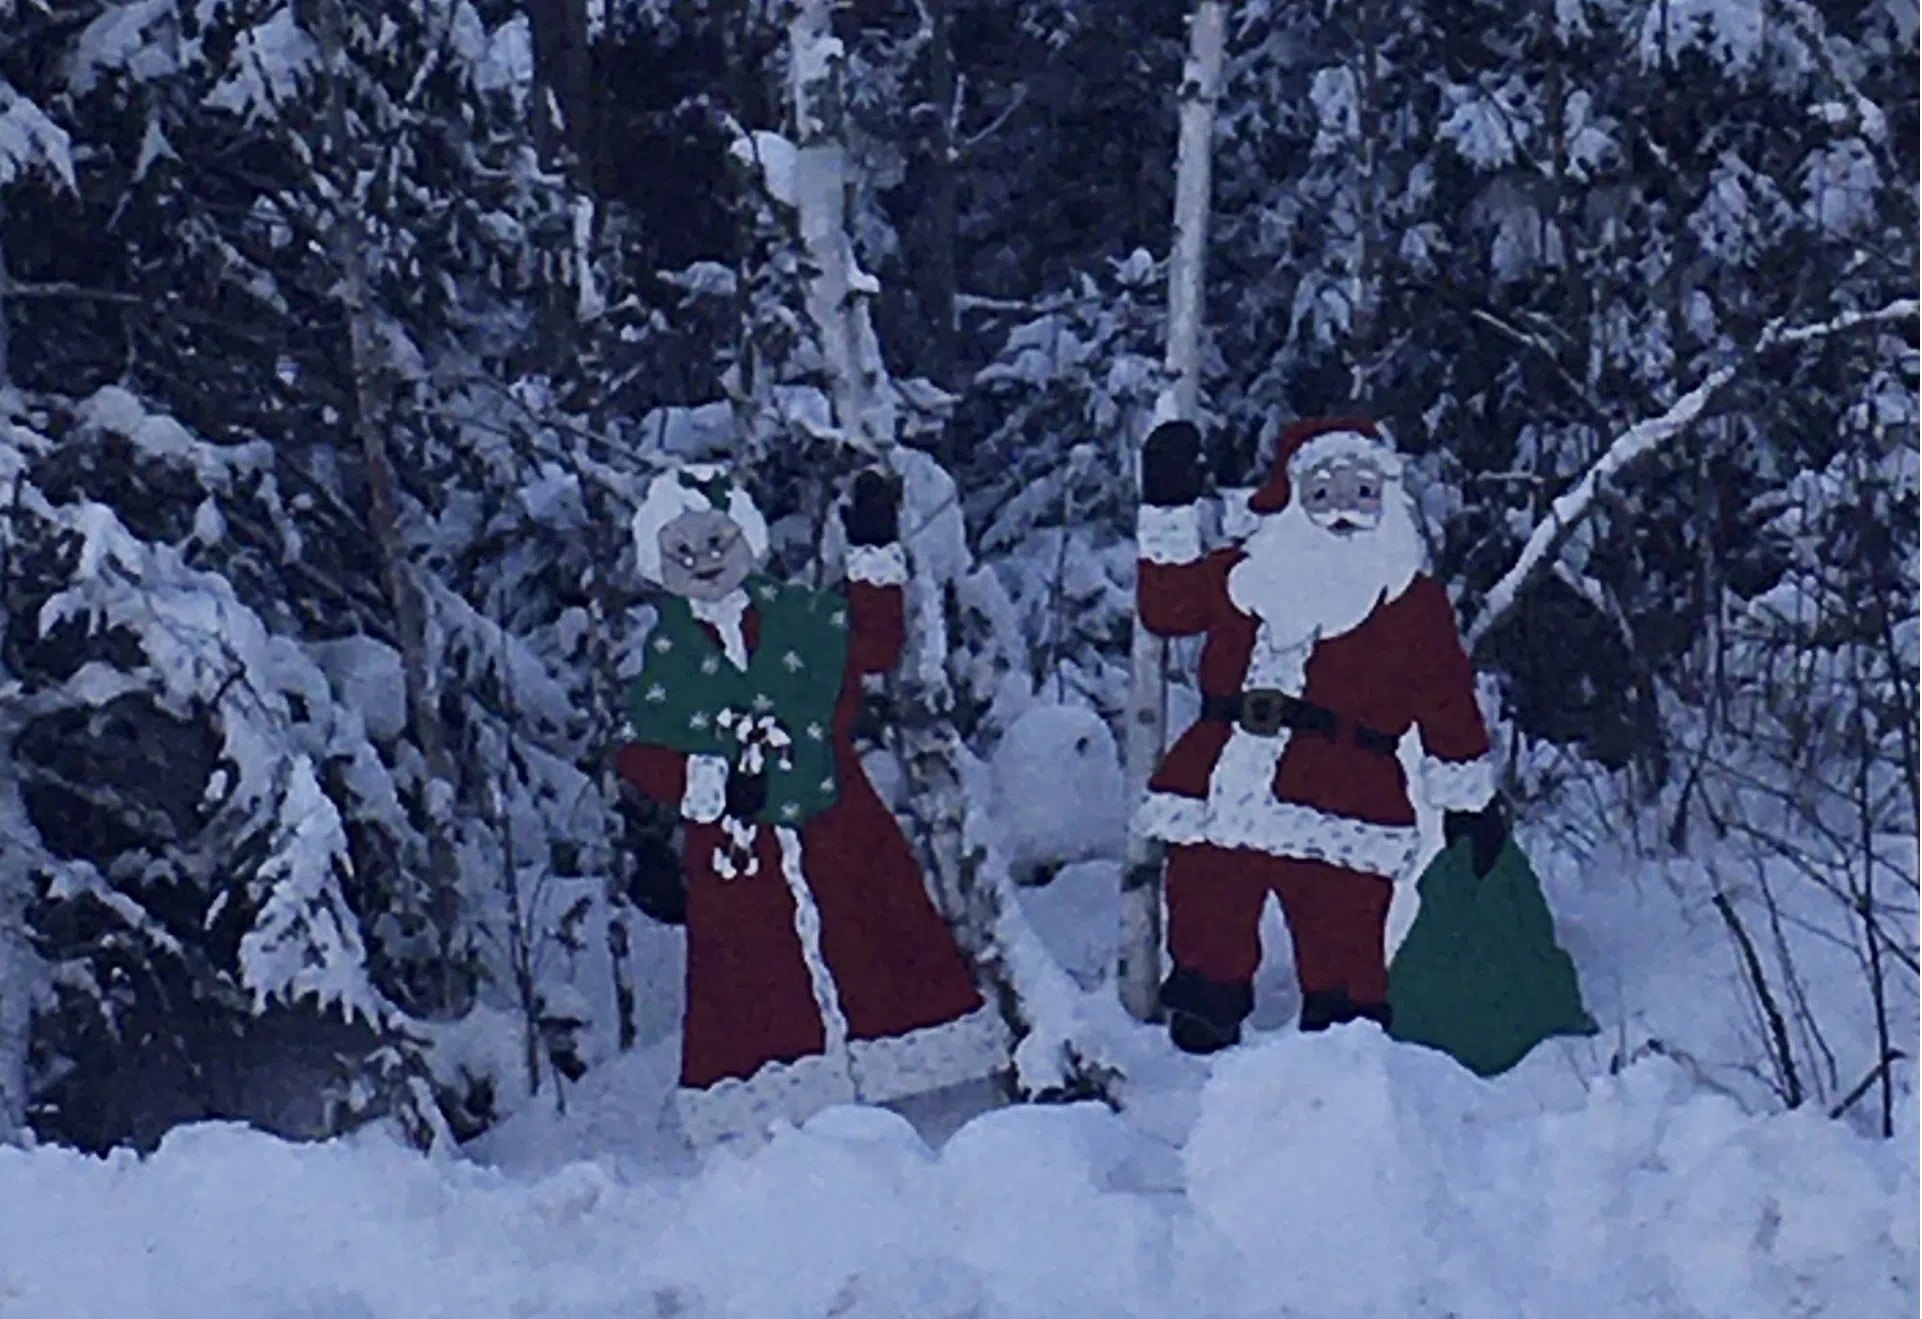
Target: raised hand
(1171, 471)
(873, 512)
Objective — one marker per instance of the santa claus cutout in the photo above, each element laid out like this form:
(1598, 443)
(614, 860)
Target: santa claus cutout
(818, 971)
(1325, 642)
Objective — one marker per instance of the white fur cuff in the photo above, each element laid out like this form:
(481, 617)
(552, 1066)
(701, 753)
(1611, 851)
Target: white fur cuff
(705, 796)
(1458, 785)
(878, 565)
(1279, 828)
(932, 1058)
(1168, 535)
(778, 1092)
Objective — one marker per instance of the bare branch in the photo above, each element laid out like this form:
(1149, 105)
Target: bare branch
(63, 289)
(1641, 439)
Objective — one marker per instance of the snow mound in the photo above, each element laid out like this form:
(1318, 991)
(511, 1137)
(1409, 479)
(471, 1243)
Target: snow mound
(1058, 791)
(1074, 915)
(1338, 1176)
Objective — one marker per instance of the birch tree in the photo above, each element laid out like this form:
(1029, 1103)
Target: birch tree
(1139, 971)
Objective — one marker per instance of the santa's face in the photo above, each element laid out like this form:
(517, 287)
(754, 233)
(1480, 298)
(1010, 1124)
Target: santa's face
(704, 555)
(1346, 542)
(1343, 495)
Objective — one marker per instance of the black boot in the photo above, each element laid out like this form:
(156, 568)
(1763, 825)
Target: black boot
(1204, 1015)
(1322, 1008)
(1194, 1034)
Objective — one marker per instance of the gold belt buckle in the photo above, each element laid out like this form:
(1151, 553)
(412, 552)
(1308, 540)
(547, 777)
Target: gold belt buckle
(1262, 709)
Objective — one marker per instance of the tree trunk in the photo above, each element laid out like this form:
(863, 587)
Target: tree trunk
(1365, 333)
(1139, 971)
(839, 290)
(369, 398)
(944, 351)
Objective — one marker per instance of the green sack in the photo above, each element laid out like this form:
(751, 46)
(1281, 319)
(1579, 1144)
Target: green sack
(1480, 976)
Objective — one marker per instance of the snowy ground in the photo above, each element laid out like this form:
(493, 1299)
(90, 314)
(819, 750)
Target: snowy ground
(1324, 1177)
(1327, 1176)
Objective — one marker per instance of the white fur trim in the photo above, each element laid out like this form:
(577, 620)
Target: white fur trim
(1345, 444)
(1168, 535)
(705, 795)
(807, 928)
(965, 1049)
(1281, 828)
(878, 565)
(1458, 785)
(667, 499)
(1273, 664)
(778, 1092)
(724, 616)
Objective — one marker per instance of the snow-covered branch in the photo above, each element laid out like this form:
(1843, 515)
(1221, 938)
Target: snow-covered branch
(1575, 504)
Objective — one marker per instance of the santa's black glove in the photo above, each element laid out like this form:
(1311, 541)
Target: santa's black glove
(1486, 830)
(658, 886)
(1171, 471)
(873, 513)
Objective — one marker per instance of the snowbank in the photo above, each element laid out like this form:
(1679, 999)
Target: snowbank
(1058, 790)
(1331, 1176)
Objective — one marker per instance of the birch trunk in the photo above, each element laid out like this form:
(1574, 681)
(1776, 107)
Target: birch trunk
(367, 366)
(1139, 970)
(970, 883)
(838, 290)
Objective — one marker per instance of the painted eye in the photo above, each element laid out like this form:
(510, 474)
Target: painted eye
(1367, 491)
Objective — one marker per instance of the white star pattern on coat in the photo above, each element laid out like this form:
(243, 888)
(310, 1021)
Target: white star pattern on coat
(793, 662)
(657, 693)
(838, 616)
(663, 644)
(697, 721)
(763, 702)
(816, 732)
(711, 664)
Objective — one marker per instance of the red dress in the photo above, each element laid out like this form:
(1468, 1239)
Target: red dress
(828, 976)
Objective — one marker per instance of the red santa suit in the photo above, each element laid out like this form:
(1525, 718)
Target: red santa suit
(1320, 655)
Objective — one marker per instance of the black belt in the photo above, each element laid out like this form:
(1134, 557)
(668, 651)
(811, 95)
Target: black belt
(1265, 711)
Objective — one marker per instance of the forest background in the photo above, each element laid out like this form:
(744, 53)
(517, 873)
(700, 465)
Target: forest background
(338, 337)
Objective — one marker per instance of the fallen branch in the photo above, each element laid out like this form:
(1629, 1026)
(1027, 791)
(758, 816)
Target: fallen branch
(1575, 504)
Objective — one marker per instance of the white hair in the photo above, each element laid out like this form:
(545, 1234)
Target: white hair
(668, 497)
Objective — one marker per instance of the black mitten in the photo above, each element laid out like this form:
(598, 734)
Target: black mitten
(746, 795)
(873, 513)
(659, 886)
(1486, 830)
(1171, 472)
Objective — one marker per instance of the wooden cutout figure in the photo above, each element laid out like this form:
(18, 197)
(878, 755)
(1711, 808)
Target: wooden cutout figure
(1325, 642)
(818, 970)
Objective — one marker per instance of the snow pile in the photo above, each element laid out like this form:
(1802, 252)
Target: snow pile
(1058, 791)
(1335, 1176)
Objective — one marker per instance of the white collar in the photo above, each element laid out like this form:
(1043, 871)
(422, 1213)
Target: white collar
(724, 616)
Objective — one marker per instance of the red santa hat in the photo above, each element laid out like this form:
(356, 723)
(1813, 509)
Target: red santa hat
(1312, 440)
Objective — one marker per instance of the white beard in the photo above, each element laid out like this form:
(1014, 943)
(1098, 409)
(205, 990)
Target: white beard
(1309, 584)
